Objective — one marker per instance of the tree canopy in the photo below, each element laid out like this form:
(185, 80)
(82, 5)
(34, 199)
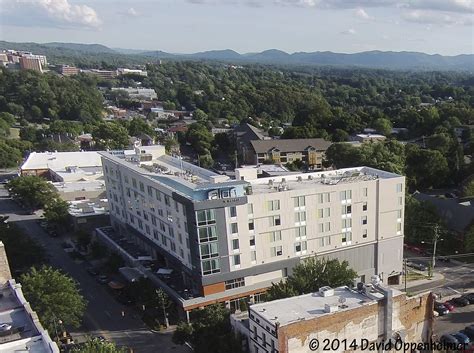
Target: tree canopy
(33, 191)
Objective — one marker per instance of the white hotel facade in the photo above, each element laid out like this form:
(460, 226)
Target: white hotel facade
(231, 238)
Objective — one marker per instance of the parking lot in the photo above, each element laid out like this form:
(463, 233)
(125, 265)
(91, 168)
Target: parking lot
(455, 321)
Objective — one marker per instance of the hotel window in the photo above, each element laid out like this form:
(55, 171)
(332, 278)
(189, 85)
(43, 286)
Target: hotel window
(164, 240)
(346, 209)
(300, 246)
(321, 227)
(235, 244)
(345, 195)
(160, 212)
(300, 201)
(253, 256)
(364, 233)
(176, 206)
(149, 190)
(142, 187)
(140, 224)
(180, 238)
(399, 214)
(346, 237)
(236, 260)
(399, 187)
(320, 198)
(399, 228)
(207, 234)
(320, 213)
(181, 253)
(155, 234)
(206, 217)
(210, 266)
(327, 197)
(327, 212)
(300, 232)
(235, 283)
(250, 208)
(128, 192)
(364, 192)
(364, 206)
(233, 211)
(275, 236)
(347, 223)
(300, 217)
(273, 205)
(327, 227)
(134, 183)
(234, 228)
(252, 241)
(364, 220)
(275, 221)
(126, 179)
(147, 229)
(171, 231)
(145, 216)
(400, 201)
(251, 224)
(158, 195)
(167, 200)
(162, 227)
(276, 251)
(209, 250)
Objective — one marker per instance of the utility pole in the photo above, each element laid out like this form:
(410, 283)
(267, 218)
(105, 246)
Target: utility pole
(405, 272)
(435, 241)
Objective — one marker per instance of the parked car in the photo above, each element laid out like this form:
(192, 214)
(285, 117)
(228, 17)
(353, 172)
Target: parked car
(5, 327)
(461, 337)
(469, 332)
(449, 305)
(447, 338)
(443, 258)
(441, 309)
(460, 301)
(417, 266)
(469, 297)
(103, 279)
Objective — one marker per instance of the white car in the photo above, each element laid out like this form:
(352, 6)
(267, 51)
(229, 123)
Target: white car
(5, 327)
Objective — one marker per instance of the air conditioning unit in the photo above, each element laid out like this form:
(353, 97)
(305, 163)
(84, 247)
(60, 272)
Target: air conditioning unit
(326, 291)
(300, 178)
(330, 308)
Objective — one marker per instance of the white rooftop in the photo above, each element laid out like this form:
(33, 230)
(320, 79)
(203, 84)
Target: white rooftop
(309, 306)
(371, 136)
(58, 161)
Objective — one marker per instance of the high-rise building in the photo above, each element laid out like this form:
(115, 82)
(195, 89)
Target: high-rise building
(231, 238)
(30, 62)
(67, 70)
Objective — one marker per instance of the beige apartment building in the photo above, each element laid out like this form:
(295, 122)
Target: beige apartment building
(231, 238)
(282, 151)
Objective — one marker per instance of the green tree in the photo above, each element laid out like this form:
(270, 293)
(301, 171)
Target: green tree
(469, 240)
(209, 332)
(383, 126)
(108, 135)
(57, 211)
(312, 274)
(9, 156)
(97, 346)
(468, 188)
(54, 296)
(419, 216)
(33, 191)
(425, 168)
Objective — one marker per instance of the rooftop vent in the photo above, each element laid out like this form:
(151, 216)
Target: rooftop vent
(326, 291)
(310, 177)
(300, 179)
(270, 182)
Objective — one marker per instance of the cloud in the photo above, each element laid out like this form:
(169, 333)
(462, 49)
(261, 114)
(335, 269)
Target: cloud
(349, 31)
(437, 18)
(49, 13)
(361, 13)
(130, 12)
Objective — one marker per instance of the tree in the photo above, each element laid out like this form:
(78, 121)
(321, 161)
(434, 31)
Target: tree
(9, 156)
(469, 240)
(33, 191)
(108, 135)
(209, 332)
(312, 274)
(57, 211)
(425, 168)
(383, 126)
(97, 346)
(54, 296)
(418, 215)
(468, 189)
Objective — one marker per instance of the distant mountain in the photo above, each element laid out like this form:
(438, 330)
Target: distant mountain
(369, 59)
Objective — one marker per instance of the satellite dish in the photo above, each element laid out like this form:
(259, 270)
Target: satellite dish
(342, 300)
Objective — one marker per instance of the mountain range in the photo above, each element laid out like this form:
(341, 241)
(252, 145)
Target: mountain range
(368, 59)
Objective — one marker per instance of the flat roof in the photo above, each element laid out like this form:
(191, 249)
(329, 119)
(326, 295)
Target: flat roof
(309, 306)
(58, 161)
(323, 179)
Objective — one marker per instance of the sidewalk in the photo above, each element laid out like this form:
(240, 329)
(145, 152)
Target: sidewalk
(437, 279)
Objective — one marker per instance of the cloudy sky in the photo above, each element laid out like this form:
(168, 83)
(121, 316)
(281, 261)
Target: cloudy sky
(183, 26)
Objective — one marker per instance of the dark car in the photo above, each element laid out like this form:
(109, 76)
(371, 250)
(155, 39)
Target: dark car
(447, 338)
(469, 297)
(460, 301)
(449, 305)
(417, 266)
(443, 258)
(441, 309)
(469, 332)
(103, 279)
(461, 337)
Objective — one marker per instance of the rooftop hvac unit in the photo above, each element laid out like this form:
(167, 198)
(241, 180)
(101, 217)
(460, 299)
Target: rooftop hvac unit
(330, 308)
(300, 178)
(326, 291)
(310, 177)
(270, 182)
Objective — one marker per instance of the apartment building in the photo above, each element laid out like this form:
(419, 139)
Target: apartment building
(309, 151)
(31, 62)
(67, 70)
(339, 320)
(231, 238)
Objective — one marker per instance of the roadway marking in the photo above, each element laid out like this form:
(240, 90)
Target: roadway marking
(454, 290)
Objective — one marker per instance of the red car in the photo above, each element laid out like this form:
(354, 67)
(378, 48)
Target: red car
(449, 305)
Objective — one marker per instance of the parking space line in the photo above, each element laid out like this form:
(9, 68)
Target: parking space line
(454, 290)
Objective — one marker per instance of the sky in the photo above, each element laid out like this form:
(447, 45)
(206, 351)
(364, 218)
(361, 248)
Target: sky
(186, 26)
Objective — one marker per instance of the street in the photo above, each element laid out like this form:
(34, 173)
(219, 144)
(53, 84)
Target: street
(104, 314)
